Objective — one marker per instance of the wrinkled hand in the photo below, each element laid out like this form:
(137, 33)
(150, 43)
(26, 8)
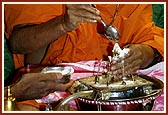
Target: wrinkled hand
(80, 13)
(139, 56)
(37, 85)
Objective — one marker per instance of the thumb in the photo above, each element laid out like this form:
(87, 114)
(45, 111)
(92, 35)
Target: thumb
(63, 87)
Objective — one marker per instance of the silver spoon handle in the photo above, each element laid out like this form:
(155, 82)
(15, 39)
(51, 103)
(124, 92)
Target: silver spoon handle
(102, 21)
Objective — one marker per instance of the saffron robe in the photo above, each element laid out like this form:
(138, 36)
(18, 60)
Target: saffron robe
(134, 22)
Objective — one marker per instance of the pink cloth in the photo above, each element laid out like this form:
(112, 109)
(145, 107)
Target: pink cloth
(88, 68)
(156, 71)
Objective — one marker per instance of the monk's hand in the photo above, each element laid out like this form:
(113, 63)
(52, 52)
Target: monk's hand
(139, 56)
(37, 85)
(76, 13)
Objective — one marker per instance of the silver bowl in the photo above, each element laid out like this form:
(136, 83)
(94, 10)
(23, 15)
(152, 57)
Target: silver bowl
(126, 98)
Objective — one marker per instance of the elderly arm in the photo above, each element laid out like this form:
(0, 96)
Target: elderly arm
(36, 85)
(24, 39)
(29, 38)
(33, 40)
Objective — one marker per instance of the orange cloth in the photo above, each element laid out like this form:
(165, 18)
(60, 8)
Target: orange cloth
(133, 21)
(40, 106)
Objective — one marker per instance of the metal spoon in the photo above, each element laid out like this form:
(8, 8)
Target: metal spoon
(110, 31)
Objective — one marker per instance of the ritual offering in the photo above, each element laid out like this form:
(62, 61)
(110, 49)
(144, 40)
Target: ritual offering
(108, 92)
(139, 94)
